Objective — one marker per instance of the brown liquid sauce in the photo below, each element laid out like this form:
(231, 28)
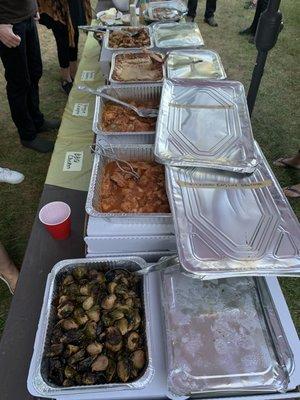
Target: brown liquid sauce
(122, 193)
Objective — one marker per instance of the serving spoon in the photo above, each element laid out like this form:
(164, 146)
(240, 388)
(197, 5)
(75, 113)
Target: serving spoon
(140, 111)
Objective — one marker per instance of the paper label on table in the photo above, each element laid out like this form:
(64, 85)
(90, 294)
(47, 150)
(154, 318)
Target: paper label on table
(81, 109)
(88, 76)
(73, 161)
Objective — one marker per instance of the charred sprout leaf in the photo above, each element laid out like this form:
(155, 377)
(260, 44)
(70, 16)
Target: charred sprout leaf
(71, 290)
(94, 313)
(122, 325)
(68, 280)
(70, 349)
(108, 302)
(65, 310)
(68, 324)
(111, 287)
(89, 378)
(100, 278)
(116, 314)
(69, 372)
(88, 303)
(68, 383)
(75, 358)
(55, 349)
(123, 370)
(113, 339)
(74, 336)
(85, 290)
(79, 273)
(100, 364)
(138, 359)
(133, 341)
(80, 316)
(111, 370)
(85, 364)
(90, 330)
(94, 348)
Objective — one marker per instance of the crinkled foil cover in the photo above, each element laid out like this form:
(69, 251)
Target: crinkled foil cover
(112, 67)
(129, 152)
(175, 4)
(139, 92)
(118, 28)
(172, 34)
(194, 64)
(205, 124)
(40, 383)
(224, 232)
(217, 340)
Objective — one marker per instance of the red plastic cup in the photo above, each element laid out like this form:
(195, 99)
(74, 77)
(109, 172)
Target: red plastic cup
(56, 217)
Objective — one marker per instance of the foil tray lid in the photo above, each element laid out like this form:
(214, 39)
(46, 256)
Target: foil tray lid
(230, 224)
(217, 340)
(174, 34)
(205, 124)
(194, 64)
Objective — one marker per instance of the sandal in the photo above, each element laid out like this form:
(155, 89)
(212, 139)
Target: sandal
(292, 191)
(2, 277)
(281, 162)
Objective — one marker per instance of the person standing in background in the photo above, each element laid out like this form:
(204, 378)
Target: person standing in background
(211, 6)
(63, 17)
(21, 58)
(261, 6)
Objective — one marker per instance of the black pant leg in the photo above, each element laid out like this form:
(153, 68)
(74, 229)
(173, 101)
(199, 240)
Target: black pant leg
(35, 68)
(18, 83)
(192, 8)
(61, 35)
(211, 6)
(261, 6)
(73, 51)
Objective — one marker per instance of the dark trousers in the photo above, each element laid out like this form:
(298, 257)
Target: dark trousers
(261, 6)
(211, 6)
(23, 70)
(64, 51)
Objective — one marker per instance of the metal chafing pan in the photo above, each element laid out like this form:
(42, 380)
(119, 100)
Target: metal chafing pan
(38, 369)
(137, 92)
(230, 224)
(113, 62)
(194, 64)
(106, 38)
(222, 337)
(126, 153)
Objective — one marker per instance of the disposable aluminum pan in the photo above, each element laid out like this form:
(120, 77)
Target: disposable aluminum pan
(219, 338)
(106, 39)
(231, 224)
(126, 153)
(38, 368)
(174, 35)
(177, 5)
(139, 93)
(194, 64)
(113, 61)
(205, 124)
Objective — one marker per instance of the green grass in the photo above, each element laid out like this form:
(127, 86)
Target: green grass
(275, 123)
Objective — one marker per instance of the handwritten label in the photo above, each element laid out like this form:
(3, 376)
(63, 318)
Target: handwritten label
(73, 161)
(88, 76)
(81, 109)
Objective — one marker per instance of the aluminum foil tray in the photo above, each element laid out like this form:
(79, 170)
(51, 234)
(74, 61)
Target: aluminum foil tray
(172, 35)
(125, 92)
(246, 229)
(113, 61)
(127, 153)
(38, 375)
(194, 64)
(217, 339)
(106, 39)
(205, 124)
(173, 4)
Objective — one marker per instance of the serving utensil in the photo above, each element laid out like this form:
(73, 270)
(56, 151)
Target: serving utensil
(166, 262)
(140, 111)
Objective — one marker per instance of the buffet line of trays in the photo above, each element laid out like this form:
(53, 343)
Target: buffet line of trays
(207, 325)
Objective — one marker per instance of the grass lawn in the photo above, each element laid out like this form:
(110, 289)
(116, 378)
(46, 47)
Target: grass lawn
(275, 122)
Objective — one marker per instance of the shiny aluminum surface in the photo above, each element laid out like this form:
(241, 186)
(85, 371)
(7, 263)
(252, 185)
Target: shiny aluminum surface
(139, 93)
(205, 124)
(235, 230)
(106, 39)
(113, 61)
(194, 64)
(217, 339)
(127, 153)
(177, 35)
(177, 5)
(40, 383)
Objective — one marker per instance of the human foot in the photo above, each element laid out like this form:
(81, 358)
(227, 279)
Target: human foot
(292, 191)
(289, 162)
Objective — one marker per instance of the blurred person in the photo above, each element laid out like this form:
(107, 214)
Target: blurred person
(63, 17)
(261, 6)
(9, 273)
(21, 58)
(210, 9)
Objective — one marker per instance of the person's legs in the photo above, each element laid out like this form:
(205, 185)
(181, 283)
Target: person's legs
(192, 8)
(211, 6)
(18, 84)
(8, 271)
(73, 54)
(260, 7)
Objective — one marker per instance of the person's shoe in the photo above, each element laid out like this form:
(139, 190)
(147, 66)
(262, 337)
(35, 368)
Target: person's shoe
(49, 125)
(67, 87)
(188, 18)
(247, 31)
(211, 22)
(39, 144)
(251, 39)
(10, 176)
(10, 277)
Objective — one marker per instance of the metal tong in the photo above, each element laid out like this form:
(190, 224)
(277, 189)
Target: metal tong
(94, 28)
(140, 111)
